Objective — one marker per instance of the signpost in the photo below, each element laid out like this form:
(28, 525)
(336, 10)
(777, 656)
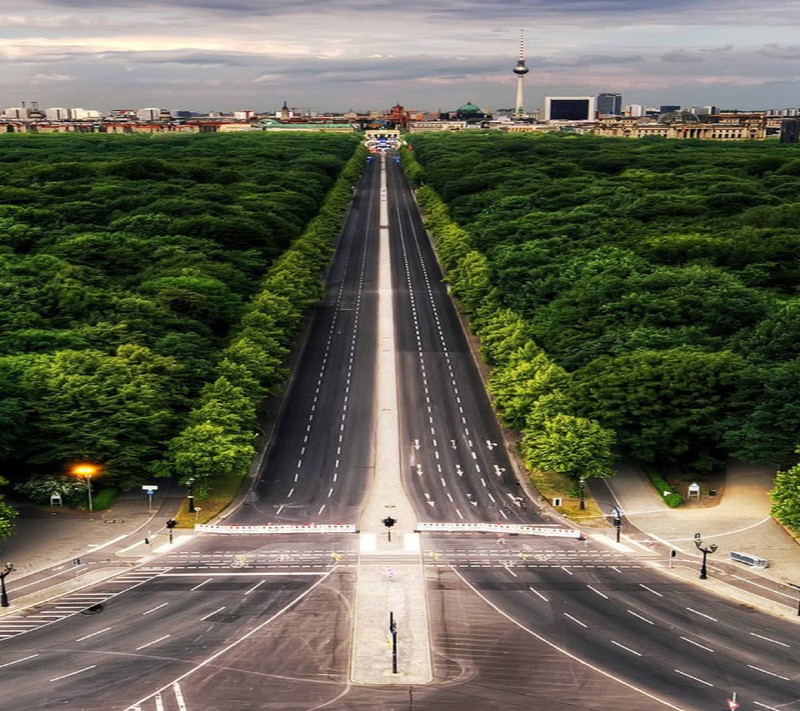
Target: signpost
(149, 489)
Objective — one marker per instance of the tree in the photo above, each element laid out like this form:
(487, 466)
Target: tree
(7, 514)
(786, 497)
(111, 409)
(573, 446)
(206, 450)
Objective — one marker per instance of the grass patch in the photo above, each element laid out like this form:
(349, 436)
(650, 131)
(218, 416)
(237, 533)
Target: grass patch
(104, 498)
(221, 492)
(552, 485)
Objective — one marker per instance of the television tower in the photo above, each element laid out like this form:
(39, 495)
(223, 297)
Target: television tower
(520, 70)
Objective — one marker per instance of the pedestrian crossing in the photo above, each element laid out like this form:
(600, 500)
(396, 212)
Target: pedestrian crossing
(81, 602)
(170, 698)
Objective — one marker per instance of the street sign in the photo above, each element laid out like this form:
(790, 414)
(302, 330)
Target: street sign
(732, 705)
(149, 488)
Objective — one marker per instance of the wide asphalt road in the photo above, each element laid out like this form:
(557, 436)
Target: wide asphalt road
(451, 446)
(322, 450)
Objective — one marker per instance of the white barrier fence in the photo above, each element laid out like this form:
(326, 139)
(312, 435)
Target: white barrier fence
(518, 528)
(310, 528)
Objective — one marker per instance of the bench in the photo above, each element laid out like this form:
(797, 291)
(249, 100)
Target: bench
(749, 559)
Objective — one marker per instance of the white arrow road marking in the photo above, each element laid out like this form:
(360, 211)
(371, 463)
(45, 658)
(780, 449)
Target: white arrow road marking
(491, 445)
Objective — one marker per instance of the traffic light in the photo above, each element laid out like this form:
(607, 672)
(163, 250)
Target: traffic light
(171, 523)
(389, 522)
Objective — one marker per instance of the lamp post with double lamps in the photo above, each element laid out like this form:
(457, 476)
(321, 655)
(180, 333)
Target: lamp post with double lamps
(698, 541)
(87, 471)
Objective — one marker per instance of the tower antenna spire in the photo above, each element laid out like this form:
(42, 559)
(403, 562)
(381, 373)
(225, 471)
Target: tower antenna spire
(520, 70)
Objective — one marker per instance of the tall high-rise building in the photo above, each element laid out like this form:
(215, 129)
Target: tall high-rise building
(609, 104)
(520, 70)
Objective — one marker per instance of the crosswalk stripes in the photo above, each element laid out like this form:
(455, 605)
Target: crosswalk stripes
(75, 603)
(169, 699)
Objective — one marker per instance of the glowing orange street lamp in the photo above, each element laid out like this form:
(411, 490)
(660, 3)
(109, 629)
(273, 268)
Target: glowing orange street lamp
(87, 471)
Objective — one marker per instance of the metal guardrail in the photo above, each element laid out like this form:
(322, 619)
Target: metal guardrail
(309, 528)
(517, 528)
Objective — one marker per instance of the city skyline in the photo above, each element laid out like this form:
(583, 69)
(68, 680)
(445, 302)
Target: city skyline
(339, 54)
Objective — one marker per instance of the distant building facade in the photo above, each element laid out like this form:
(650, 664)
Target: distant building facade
(609, 104)
(569, 108)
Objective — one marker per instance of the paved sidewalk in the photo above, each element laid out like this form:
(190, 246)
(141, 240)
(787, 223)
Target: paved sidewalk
(47, 536)
(735, 519)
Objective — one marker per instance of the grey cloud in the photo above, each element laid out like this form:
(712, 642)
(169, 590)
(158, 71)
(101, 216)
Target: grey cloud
(681, 55)
(779, 52)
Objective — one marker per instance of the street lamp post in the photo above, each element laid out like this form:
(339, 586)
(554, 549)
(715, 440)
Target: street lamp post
(3, 594)
(582, 493)
(190, 495)
(87, 471)
(698, 541)
(617, 521)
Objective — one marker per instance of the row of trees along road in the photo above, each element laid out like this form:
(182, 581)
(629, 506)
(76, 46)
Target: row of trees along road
(135, 314)
(632, 297)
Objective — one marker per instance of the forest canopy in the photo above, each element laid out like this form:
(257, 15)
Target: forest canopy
(130, 268)
(650, 286)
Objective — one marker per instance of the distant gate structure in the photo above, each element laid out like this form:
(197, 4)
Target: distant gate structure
(382, 139)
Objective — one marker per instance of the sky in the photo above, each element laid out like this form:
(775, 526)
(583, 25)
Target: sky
(336, 55)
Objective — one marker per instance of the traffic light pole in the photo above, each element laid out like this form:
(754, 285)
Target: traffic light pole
(393, 634)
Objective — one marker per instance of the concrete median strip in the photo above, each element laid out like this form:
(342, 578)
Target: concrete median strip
(391, 577)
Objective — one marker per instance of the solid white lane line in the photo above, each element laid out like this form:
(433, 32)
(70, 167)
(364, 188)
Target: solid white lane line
(64, 676)
(510, 571)
(157, 607)
(212, 613)
(199, 585)
(702, 681)
(17, 661)
(627, 649)
(80, 639)
(644, 619)
(595, 590)
(702, 614)
(152, 643)
(769, 639)
(768, 672)
(650, 590)
(567, 570)
(574, 619)
(697, 644)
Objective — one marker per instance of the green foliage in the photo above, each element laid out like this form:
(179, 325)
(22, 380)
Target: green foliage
(659, 276)
(218, 438)
(570, 445)
(7, 515)
(786, 497)
(128, 270)
(665, 490)
(39, 489)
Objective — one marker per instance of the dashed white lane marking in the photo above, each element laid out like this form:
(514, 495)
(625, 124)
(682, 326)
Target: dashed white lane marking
(575, 619)
(17, 661)
(627, 649)
(769, 639)
(697, 644)
(105, 629)
(155, 641)
(79, 671)
(694, 678)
